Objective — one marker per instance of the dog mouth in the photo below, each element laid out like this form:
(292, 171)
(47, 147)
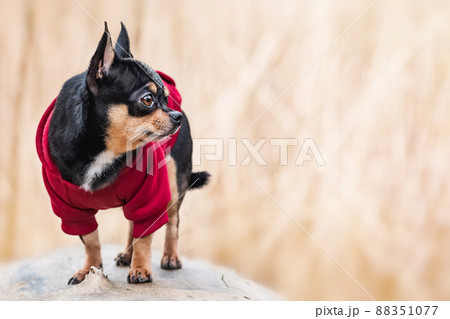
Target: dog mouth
(175, 129)
(150, 136)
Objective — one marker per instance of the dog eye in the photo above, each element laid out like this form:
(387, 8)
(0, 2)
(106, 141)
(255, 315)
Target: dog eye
(147, 100)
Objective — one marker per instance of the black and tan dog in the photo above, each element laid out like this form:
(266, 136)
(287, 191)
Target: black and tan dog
(118, 109)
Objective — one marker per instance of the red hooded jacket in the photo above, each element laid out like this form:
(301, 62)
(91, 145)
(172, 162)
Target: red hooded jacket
(141, 188)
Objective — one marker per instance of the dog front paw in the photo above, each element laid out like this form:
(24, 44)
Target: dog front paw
(78, 277)
(123, 259)
(139, 276)
(171, 262)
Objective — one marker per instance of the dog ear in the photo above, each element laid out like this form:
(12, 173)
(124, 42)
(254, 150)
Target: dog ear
(122, 47)
(101, 62)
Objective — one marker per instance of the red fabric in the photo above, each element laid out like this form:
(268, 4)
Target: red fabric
(141, 188)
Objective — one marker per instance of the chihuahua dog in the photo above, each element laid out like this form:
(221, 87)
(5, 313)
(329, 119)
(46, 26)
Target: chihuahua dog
(116, 136)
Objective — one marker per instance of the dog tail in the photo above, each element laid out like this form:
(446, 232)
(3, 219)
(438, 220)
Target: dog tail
(199, 179)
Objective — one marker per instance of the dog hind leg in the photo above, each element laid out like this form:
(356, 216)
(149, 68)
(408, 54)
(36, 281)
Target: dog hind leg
(170, 258)
(124, 259)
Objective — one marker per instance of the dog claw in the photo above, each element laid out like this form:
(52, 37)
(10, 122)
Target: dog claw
(139, 277)
(171, 263)
(73, 281)
(78, 277)
(123, 259)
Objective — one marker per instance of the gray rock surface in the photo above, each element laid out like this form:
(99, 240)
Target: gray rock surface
(45, 278)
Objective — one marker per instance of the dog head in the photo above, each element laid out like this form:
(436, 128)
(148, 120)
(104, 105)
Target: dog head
(129, 95)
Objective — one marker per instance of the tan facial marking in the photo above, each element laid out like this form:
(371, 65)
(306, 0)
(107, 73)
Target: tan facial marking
(166, 91)
(126, 132)
(152, 87)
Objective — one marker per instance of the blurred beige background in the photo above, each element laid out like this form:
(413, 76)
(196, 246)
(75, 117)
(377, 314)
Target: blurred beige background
(376, 104)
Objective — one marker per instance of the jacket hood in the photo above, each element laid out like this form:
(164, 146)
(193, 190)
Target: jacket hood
(42, 138)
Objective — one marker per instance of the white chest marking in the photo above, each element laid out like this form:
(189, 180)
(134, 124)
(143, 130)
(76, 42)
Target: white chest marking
(97, 167)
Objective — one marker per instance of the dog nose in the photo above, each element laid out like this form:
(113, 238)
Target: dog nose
(175, 117)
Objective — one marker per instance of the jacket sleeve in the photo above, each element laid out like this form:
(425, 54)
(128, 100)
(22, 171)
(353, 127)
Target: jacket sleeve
(74, 221)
